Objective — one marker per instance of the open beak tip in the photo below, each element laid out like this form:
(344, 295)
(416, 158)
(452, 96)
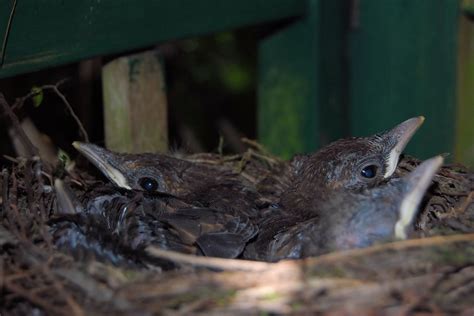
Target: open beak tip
(77, 144)
(405, 131)
(401, 135)
(420, 121)
(430, 167)
(416, 122)
(417, 185)
(437, 161)
(88, 150)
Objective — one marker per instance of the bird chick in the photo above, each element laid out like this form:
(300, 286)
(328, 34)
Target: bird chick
(149, 172)
(358, 162)
(344, 220)
(116, 227)
(197, 183)
(351, 164)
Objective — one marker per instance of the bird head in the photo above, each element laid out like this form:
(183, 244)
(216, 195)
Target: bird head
(386, 212)
(142, 172)
(357, 163)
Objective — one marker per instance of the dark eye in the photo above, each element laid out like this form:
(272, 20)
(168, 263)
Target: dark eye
(369, 171)
(148, 184)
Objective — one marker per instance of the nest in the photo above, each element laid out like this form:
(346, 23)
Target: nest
(434, 274)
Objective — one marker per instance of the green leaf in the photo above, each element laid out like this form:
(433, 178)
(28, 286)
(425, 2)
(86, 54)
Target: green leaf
(37, 97)
(63, 157)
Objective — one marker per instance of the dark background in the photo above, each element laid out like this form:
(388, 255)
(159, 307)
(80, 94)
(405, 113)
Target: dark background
(211, 90)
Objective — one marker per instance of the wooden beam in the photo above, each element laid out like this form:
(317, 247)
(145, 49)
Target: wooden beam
(46, 33)
(135, 105)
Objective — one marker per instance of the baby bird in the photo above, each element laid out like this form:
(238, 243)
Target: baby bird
(115, 227)
(350, 164)
(200, 184)
(226, 203)
(353, 163)
(344, 219)
(360, 162)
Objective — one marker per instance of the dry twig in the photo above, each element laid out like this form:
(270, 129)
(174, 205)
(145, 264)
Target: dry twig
(30, 148)
(208, 262)
(256, 266)
(55, 88)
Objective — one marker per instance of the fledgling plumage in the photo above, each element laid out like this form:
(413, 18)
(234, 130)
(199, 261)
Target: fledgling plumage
(198, 184)
(344, 220)
(226, 203)
(351, 164)
(117, 227)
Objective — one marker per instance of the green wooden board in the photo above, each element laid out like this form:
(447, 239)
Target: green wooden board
(46, 33)
(332, 77)
(400, 55)
(288, 88)
(465, 113)
(403, 63)
(301, 82)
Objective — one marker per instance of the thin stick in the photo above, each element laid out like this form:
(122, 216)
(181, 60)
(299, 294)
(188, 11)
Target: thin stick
(5, 202)
(254, 144)
(209, 262)
(71, 302)
(55, 87)
(397, 246)
(7, 33)
(466, 202)
(35, 299)
(30, 148)
(73, 114)
(10, 158)
(256, 266)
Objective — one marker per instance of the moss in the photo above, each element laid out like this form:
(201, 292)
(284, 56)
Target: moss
(284, 105)
(297, 306)
(271, 296)
(455, 255)
(225, 297)
(328, 272)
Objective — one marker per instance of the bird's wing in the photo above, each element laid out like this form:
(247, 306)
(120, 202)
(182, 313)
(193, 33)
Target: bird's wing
(282, 236)
(298, 241)
(216, 233)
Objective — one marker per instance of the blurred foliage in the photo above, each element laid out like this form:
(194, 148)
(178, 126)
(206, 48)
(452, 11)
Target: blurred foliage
(210, 79)
(468, 7)
(38, 97)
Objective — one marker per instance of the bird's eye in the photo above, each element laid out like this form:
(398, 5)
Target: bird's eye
(369, 171)
(148, 184)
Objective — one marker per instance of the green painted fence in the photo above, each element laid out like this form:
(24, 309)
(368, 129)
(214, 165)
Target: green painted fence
(46, 33)
(335, 68)
(403, 63)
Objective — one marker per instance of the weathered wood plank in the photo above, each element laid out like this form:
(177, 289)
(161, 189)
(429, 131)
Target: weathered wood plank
(45, 33)
(135, 105)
